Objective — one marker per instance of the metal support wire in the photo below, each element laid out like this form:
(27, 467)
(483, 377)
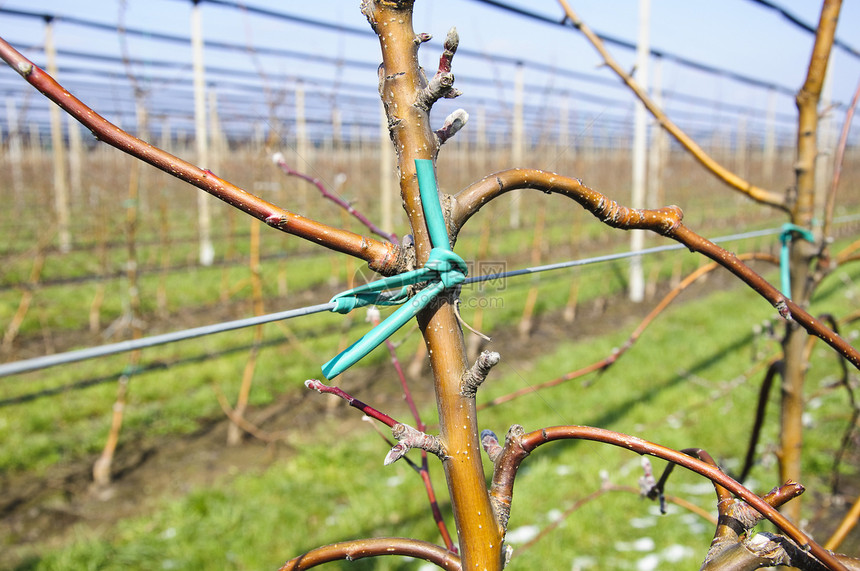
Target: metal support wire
(37, 363)
(611, 257)
(135, 344)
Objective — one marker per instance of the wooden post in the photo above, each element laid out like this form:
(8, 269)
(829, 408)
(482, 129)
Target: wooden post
(769, 150)
(826, 143)
(215, 138)
(657, 153)
(336, 129)
(741, 147)
(481, 139)
(35, 143)
(204, 217)
(58, 151)
(640, 144)
(517, 141)
(16, 154)
(76, 157)
(303, 148)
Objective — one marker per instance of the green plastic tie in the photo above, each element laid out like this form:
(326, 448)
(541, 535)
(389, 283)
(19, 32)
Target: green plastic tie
(443, 270)
(786, 236)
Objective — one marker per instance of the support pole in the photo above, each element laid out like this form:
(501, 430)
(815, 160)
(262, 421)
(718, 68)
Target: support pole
(58, 151)
(826, 143)
(16, 151)
(769, 151)
(640, 144)
(657, 153)
(204, 217)
(517, 141)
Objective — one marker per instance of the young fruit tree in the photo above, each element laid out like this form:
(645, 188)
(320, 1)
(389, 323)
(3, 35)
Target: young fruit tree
(423, 275)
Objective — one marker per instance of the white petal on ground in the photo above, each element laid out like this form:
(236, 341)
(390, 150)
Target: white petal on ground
(522, 534)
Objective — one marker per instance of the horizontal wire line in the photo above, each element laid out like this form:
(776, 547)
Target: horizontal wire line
(47, 361)
(135, 344)
(612, 257)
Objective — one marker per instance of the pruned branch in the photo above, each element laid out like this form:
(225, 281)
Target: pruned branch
(409, 438)
(730, 178)
(665, 221)
(471, 199)
(478, 372)
(518, 445)
(773, 369)
(322, 388)
(382, 257)
(362, 548)
(442, 84)
(830, 203)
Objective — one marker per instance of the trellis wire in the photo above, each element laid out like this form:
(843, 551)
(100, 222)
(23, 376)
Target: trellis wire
(47, 361)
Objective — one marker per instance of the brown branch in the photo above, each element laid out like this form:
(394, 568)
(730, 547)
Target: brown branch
(732, 179)
(401, 83)
(382, 257)
(830, 204)
(848, 253)
(807, 99)
(361, 548)
(243, 423)
(665, 221)
(787, 308)
(519, 445)
(322, 388)
(845, 526)
(845, 381)
(773, 369)
(470, 200)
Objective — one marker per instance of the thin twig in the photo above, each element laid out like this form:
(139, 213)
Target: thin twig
(730, 178)
(845, 526)
(773, 369)
(830, 204)
(352, 401)
(424, 469)
(280, 160)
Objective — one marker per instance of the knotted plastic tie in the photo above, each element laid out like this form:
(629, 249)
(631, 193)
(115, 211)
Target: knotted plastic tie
(444, 270)
(785, 237)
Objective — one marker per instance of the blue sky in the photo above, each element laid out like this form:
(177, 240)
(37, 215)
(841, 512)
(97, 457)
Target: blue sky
(731, 34)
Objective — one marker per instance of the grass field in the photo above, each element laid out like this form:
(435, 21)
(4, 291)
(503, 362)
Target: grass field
(331, 485)
(184, 501)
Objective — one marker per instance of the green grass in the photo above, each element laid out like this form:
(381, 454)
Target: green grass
(684, 385)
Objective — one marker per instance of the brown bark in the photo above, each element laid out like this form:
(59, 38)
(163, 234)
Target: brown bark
(407, 98)
(802, 214)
